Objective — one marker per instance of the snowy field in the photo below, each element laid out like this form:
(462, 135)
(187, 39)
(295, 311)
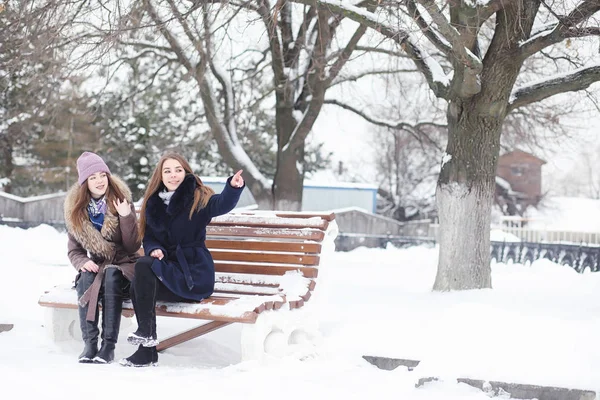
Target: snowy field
(539, 325)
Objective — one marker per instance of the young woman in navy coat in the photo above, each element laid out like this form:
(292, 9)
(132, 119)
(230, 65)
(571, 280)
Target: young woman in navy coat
(175, 211)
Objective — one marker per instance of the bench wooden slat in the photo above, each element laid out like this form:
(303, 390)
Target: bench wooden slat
(255, 279)
(294, 214)
(248, 279)
(275, 233)
(269, 222)
(281, 258)
(264, 269)
(292, 247)
(245, 289)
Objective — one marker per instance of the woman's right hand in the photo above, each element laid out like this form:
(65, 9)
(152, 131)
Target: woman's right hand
(157, 253)
(90, 266)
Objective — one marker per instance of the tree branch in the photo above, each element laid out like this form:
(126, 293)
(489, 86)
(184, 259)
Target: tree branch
(468, 59)
(174, 44)
(276, 53)
(574, 81)
(431, 34)
(431, 69)
(358, 76)
(413, 130)
(345, 55)
(565, 28)
(484, 12)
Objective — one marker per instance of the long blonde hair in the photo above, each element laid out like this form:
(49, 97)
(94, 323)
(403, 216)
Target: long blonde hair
(83, 197)
(202, 193)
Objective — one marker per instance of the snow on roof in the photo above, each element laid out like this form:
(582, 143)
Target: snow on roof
(308, 183)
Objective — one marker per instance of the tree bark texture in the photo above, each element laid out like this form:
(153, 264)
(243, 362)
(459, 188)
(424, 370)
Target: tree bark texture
(466, 184)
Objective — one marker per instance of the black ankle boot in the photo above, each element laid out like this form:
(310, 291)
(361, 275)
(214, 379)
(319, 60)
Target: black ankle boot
(143, 357)
(89, 352)
(106, 355)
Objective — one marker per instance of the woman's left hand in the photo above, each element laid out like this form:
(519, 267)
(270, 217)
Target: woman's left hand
(237, 181)
(122, 207)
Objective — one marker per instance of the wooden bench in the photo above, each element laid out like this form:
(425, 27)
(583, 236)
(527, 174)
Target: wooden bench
(266, 265)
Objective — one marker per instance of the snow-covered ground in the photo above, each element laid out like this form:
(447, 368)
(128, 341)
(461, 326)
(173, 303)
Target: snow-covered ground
(539, 325)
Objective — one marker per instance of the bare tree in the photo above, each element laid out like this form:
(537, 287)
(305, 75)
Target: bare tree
(408, 168)
(481, 88)
(31, 66)
(297, 49)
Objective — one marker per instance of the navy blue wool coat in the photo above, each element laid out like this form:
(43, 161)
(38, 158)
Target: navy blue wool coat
(187, 269)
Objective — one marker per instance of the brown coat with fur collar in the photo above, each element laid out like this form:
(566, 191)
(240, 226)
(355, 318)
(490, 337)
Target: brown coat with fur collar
(115, 245)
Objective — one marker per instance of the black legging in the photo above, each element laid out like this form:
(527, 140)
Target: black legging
(146, 289)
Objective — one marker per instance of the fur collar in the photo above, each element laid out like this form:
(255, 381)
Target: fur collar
(182, 200)
(97, 243)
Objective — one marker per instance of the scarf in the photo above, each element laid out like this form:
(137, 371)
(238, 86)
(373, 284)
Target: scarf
(166, 196)
(96, 210)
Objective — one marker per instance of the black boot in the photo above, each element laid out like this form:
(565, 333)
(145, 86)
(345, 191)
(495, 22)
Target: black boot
(111, 314)
(89, 329)
(143, 357)
(144, 290)
(106, 355)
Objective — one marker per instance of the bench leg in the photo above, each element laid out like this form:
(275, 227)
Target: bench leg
(62, 324)
(280, 333)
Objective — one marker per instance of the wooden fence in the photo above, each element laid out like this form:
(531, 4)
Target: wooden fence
(37, 209)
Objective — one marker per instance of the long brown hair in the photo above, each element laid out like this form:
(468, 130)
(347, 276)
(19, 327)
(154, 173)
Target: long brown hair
(83, 197)
(202, 193)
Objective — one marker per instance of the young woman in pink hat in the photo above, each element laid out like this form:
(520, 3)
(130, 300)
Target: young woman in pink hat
(103, 243)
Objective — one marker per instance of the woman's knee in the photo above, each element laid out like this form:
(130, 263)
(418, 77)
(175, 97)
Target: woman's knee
(85, 280)
(113, 279)
(143, 265)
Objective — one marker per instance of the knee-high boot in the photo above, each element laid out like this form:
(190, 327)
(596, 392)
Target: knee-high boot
(89, 329)
(112, 305)
(143, 294)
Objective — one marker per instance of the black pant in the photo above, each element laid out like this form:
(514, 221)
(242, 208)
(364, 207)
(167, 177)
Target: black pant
(146, 289)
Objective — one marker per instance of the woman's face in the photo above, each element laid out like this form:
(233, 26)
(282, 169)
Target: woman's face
(97, 184)
(172, 174)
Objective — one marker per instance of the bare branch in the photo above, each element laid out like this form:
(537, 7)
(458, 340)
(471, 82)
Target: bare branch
(175, 46)
(413, 130)
(485, 11)
(386, 71)
(576, 80)
(370, 49)
(468, 59)
(271, 26)
(431, 34)
(431, 69)
(345, 55)
(565, 28)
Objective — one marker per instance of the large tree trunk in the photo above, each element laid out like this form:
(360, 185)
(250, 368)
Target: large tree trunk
(464, 197)
(466, 184)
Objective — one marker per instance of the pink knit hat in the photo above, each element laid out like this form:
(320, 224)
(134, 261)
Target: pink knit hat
(88, 164)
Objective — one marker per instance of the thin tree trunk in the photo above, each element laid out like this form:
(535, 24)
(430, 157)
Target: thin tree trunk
(8, 167)
(289, 175)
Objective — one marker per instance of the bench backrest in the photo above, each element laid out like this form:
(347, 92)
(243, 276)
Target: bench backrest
(258, 248)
